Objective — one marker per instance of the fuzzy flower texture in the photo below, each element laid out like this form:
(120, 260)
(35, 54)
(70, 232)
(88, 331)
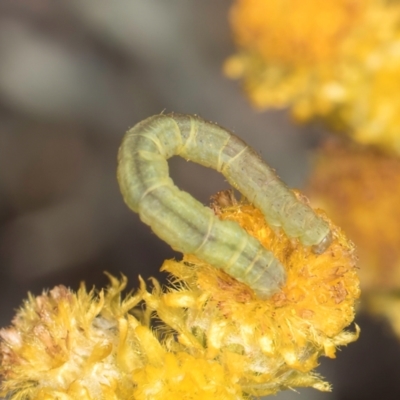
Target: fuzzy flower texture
(204, 336)
(334, 59)
(360, 189)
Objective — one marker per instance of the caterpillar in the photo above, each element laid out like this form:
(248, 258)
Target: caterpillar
(191, 228)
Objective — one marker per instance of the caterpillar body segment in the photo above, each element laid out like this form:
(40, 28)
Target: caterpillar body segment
(188, 226)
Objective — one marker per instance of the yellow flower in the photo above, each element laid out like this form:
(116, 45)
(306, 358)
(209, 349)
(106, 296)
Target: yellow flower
(81, 346)
(360, 189)
(338, 60)
(181, 375)
(72, 346)
(267, 345)
(292, 32)
(212, 338)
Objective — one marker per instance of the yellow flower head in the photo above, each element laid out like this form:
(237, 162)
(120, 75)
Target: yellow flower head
(64, 345)
(267, 345)
(292, 32)
(213, 337)
(337, 59)
(360, 189)
(84, 346)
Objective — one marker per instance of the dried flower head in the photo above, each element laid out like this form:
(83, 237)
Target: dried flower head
(360, 189)
(337, 59)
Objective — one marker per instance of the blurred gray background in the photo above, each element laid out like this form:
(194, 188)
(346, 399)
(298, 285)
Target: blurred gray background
(74, 76)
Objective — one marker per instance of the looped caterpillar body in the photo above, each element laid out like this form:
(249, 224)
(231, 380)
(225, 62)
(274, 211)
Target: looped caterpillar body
(191, 228)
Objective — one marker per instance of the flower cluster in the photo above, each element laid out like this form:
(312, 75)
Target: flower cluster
(205, 336)
(338, 60)
(360, 189)
(64, 345)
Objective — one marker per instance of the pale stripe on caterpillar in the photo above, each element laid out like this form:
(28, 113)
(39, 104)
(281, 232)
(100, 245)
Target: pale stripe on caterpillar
(191, 228)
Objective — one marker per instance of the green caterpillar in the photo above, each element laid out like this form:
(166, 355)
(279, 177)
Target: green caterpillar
(189, 227)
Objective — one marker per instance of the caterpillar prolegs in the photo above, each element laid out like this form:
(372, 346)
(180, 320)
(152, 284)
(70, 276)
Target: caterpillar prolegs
(191, 228)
